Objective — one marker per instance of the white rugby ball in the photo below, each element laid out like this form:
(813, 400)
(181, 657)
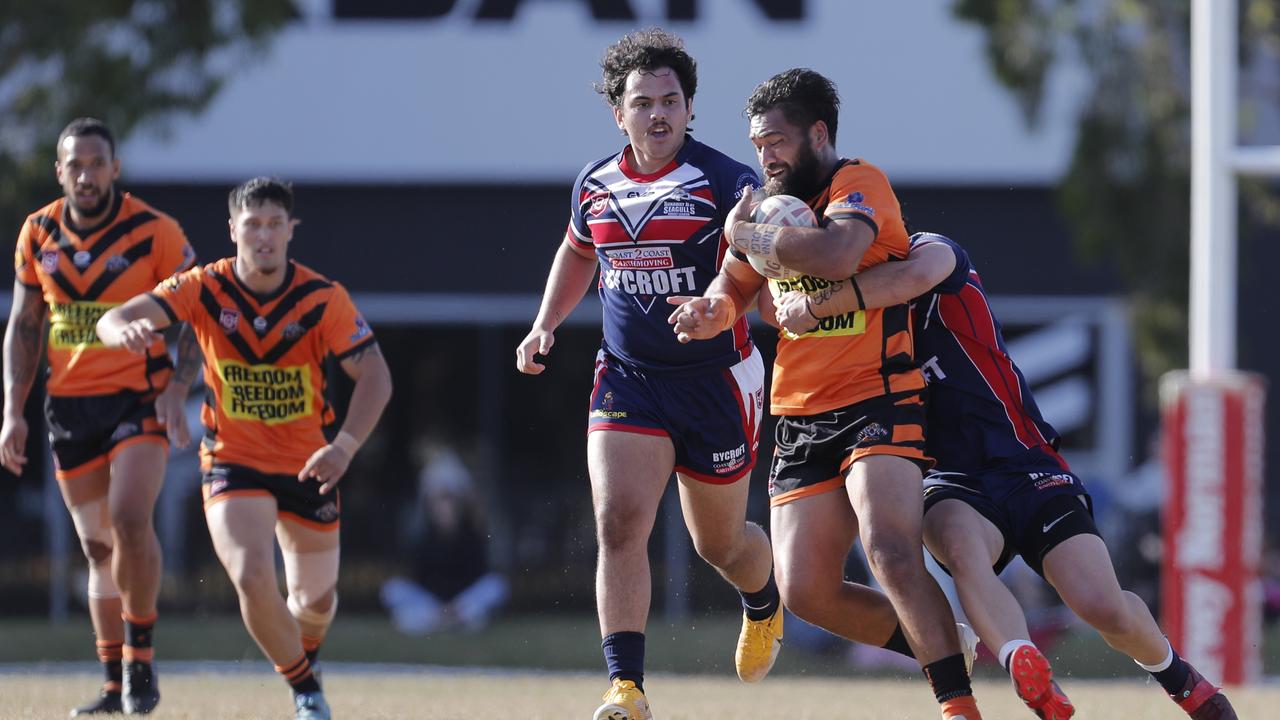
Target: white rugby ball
(780, 210)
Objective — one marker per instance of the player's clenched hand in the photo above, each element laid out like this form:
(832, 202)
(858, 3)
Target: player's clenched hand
(793, 312)
(326, 466)
(537, 342)
(13, 444)
(171, 414)
(137, 335)
(700, 318)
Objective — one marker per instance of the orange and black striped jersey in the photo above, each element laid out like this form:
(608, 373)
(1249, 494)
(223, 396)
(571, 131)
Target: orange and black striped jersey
(84, 272)
(859, 355)
(264, 360)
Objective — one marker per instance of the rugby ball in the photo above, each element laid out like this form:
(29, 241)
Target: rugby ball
(780, 210)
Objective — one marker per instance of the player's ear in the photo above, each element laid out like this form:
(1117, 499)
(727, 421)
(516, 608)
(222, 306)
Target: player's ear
(115, 168)
(818, 133)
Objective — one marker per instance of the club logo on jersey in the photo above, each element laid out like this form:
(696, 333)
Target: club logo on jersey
(293, 331)
(260, 324)
(117, 264)
(327, 512)
(229, 319)
(266, 393)
(599, 201)
(640, 258)
(49, 261)
(81, 259)
(362, 329)
(853, 201)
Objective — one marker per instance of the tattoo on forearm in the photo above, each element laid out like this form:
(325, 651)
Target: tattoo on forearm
(24, 353)
(825, 294)
(190, 357)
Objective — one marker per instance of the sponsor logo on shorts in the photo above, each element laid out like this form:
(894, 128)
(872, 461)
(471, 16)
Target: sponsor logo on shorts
(640, 258)
(117, 264)
(327, 512)
(1049, 526)
(49, 261)
(1044, 481)
(729, 460)
(872, 433)
(124, 430)
(217, 486)
(266, 393)
(229, 319)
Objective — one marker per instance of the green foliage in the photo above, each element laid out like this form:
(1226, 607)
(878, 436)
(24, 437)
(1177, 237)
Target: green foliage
(128, 62)
(1127, 190)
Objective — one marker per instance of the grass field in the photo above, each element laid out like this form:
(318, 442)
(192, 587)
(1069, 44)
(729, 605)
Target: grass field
(548, 667)
(250, 690)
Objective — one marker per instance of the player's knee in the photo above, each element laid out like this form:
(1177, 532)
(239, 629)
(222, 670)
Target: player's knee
(317, 610)
(1105, 612)
(96, 540)
(717, 551)
(618, 531)
(132, 525)
(895, 562)
(253, 580)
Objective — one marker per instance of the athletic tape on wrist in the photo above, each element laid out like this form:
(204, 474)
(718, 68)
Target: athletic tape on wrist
(347, 442)
(757, 239)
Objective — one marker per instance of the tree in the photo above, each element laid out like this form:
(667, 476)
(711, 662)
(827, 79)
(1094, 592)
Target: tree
(128, 62)
(1126, 192)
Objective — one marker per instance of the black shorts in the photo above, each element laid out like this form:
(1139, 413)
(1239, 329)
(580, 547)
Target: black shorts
(1034, 510)
(812, 452)
(297, 501)
(86, 430)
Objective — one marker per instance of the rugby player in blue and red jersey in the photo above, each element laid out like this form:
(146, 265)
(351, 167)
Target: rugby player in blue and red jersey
(1000, 488)
(652, 218)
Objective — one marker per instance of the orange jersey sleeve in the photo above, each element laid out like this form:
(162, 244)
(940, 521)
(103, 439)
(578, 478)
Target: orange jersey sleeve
(173, 253)
(24, 257)
(861, 191)
(343, 328)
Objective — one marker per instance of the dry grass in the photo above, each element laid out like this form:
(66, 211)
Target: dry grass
(365, 692)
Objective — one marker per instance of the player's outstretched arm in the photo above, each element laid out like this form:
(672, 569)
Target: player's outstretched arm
(133, 325)
(726, 299)
(883, 285)
(571, 274)
(369, 398)
(21, 361)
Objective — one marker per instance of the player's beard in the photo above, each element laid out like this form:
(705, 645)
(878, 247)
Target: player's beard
(802, 180)
(98, 209)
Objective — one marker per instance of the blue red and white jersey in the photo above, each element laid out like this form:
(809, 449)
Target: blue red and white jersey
(981, 412)
(659, 235)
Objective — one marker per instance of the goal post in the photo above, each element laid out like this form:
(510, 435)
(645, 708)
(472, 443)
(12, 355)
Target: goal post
(1213, 415)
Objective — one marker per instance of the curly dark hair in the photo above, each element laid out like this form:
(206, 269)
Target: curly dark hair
(259, 190)
(81, 127)
(804, 97)
(647, 49)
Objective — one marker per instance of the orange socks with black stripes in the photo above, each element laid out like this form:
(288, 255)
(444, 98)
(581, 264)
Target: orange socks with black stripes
(109, 654)
(141, 693)
(300, 676)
